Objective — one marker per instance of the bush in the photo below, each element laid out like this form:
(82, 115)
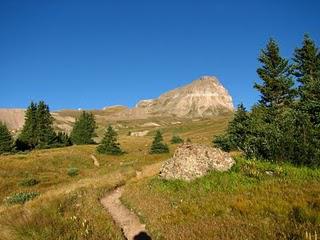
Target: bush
(29, 182)
(176, 140)
(72, 172)
(21, 198)
(223, 142)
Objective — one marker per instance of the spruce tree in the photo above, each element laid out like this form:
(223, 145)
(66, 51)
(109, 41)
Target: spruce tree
(5, 139)
(28, 135)
(109, 143)
(44, 129)
(237, 131)
(38, 131)
(276, 88)
(307, 71)
(83, 130)
(63, 139)
(157, 145)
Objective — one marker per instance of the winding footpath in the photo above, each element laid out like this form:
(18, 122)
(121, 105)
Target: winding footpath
(130, 224)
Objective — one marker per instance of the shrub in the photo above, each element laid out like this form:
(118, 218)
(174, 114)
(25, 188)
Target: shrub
(72, 172)
(21, 198)
(29, 182)
(176, 140)
(251, 169)
(223, 142)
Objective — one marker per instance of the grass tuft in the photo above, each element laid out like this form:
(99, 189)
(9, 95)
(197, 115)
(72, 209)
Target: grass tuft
(21, 198)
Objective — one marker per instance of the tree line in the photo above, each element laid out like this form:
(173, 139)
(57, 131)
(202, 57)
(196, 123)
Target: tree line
(38, 133)
(284, 126)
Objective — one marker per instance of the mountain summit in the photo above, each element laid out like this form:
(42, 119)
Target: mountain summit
(203, 97)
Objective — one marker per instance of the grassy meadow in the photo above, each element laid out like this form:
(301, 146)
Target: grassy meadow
(255, 200)
(61, 187)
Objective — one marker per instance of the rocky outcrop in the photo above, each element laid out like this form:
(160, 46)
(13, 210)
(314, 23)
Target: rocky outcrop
(193, 160)
(139, 134)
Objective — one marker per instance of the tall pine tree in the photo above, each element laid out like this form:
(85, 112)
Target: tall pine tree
(28, 135)
(38, 131)
(109, 143)
(276, 88)
(5, 139)
(44, 129)
(307, 71)
(83, 130)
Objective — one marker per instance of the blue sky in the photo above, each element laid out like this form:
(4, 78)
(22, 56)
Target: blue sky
(90, 54)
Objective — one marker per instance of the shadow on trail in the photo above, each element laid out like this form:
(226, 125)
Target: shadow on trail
(142, 236)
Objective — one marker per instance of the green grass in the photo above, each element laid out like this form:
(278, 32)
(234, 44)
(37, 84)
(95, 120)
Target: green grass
(245, 203)
(21, 197)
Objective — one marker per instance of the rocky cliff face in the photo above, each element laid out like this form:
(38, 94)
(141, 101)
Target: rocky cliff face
(202, 98)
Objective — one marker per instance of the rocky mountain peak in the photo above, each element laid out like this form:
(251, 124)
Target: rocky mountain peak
(203, 97)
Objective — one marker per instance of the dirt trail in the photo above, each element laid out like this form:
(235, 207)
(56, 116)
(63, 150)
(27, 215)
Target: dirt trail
(126, 219)
(95, 160)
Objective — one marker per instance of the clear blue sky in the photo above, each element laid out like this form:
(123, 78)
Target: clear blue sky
(89, 54)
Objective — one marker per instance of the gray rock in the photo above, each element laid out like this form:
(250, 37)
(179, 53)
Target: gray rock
(191, 161)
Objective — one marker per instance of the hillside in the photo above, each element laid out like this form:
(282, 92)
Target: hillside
(245, 203)
(62, 196)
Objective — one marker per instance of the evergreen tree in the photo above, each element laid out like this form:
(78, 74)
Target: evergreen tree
(280, 128)
(44, 126)
(236, 133)
(157, 145)
(307, 71)
(276, 88)
(5, 139)
(83, 130)
(38, 131)
(109, 143)
(28, 136)
(63, 139)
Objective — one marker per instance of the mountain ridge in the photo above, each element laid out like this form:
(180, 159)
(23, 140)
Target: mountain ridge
(203, 97)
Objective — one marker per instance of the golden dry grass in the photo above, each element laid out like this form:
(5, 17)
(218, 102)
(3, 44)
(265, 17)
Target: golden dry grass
(51, 215)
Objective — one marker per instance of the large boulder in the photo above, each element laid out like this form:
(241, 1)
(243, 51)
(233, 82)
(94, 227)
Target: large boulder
(194, 160)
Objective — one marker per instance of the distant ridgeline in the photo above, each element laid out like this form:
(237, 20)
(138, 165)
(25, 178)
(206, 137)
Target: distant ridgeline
(205, 97)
